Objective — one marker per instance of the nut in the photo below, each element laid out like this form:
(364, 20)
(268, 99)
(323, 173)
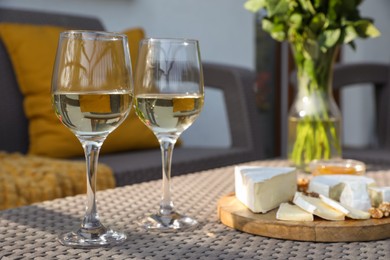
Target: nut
(376, 213)
(303, 184)
(385, 208)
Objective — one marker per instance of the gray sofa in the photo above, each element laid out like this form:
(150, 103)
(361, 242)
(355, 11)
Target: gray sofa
(140, 165)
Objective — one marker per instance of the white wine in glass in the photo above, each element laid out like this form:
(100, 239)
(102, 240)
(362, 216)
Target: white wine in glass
(169, 96)
(92, 94)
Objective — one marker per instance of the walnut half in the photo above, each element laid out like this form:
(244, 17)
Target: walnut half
(376, 213)
(303, 184)
(383, 210)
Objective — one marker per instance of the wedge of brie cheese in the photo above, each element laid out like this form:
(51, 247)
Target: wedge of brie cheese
(379, 195)
(332, 186)
(262, 189)
(291, 212)
(348, 211)
(355, 195)
(317, 207)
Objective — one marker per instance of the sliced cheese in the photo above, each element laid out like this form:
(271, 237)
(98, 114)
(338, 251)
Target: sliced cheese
(291, 212)
(379, 195)
(332, 186)
(334, 204)
(355, 195)
(348, 211)
(262, 189)
(317, 207)
(356, 213)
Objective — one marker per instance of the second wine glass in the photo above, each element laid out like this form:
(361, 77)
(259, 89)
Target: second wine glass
(169, 96)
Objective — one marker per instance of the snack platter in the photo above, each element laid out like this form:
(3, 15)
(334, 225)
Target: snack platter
(276, 202)
(234, 214)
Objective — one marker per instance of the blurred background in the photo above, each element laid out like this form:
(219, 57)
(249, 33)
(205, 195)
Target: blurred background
(229, 34)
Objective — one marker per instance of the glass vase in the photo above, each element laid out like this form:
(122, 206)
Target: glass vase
(314, 127)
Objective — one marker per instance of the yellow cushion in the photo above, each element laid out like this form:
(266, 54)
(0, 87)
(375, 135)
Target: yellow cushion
(29, 179)
(32, 50)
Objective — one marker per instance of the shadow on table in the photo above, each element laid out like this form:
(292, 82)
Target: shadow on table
(38, 218)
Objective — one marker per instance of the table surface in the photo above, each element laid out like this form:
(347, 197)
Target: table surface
(30, 232)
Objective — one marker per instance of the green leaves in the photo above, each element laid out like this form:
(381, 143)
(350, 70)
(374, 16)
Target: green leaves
(329, 22)
(335, 8)
(364, 28)
(277, 7)
(296, 20)
(277, 31)
(254, 5)
(307, 6)
(329, 39)
(317, 23)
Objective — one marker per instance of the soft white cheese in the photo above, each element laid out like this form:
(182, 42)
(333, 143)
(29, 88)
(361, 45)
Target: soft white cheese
(334, 204)
(291, 212)
(348, 211)
(332, 185)
(262, 189)
(355, 195)
(317, 207)
(356, 213)
(379, 195)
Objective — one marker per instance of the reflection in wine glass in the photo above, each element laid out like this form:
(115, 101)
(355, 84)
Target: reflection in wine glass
(92, 94)
(169, 96)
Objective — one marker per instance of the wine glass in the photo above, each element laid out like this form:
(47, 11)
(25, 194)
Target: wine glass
(92, 93)
(169, 95)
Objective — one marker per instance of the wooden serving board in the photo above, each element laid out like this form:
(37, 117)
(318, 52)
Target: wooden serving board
(236, 215)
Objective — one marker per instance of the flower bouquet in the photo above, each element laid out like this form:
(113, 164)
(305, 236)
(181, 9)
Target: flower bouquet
(315, 30)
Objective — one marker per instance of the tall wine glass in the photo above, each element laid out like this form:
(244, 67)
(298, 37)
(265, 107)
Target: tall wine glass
(169, 96)
(92, 94)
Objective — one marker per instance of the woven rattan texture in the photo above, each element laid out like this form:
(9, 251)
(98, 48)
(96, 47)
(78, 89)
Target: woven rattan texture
(30, 232)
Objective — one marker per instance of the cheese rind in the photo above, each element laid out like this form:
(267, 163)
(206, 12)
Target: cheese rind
(262, 189)
(317, 207)
(379, 195)
(291, 212)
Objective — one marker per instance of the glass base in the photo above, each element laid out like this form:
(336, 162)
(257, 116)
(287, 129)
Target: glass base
(170, 222)
(84, 238)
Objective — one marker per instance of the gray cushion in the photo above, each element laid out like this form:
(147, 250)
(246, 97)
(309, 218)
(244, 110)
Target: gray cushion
(13, 129)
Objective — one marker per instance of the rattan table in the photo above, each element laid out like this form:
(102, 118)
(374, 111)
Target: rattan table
(30, 232)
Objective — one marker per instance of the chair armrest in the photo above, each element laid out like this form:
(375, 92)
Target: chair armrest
(237, 84)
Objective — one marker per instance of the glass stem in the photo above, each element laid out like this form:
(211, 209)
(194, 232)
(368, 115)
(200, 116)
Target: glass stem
(91, 219)
(167, 144)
